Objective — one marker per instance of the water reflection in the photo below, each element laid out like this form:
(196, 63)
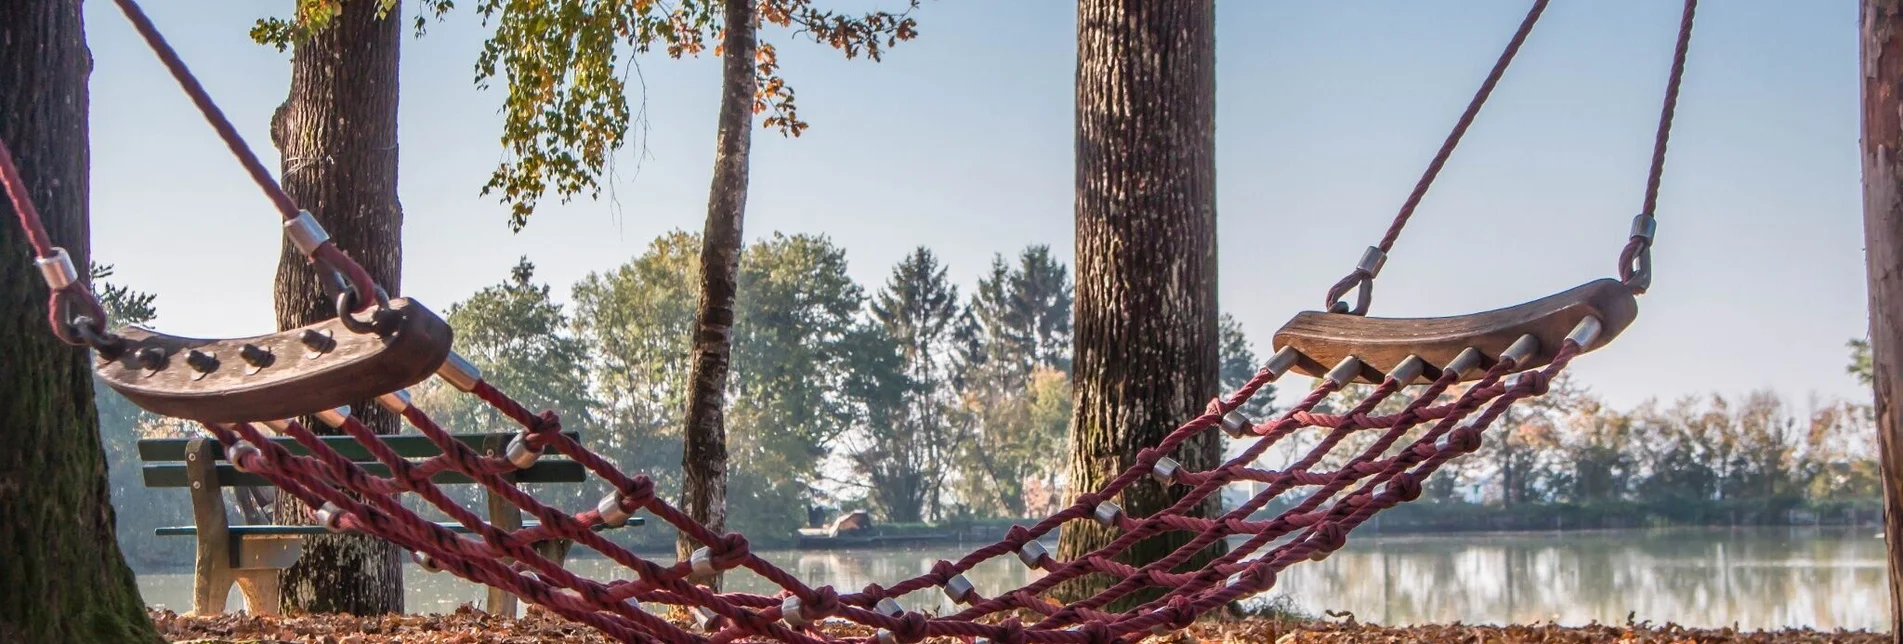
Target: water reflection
(1751, 578)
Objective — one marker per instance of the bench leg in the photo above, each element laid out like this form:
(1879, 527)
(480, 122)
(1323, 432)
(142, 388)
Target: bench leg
(211, 587)
(555, 550)
(260, 588)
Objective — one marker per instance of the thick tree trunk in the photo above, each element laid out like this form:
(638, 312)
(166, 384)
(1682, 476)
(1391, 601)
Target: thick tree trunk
(1146, 315)
(1883, 242)
(64, 578)
(704, 457)
(338, 136)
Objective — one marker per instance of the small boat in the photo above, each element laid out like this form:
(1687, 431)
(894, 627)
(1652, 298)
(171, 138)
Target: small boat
(855, 530)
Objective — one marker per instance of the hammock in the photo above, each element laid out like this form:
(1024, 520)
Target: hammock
(378, 345)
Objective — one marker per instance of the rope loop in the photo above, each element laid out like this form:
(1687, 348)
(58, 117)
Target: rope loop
(1635, 264)
(78, 319)
(1363, 284)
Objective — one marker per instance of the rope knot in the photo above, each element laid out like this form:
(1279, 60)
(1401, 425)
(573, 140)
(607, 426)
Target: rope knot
(1089, 500)
(823, 604)
(1011, 631)
(1533, 382)
(911, 628)
(1256, 578)
(547, 422)
(943, 571)
(1329, 537)
(874, 591)
(1405, 487)
(1017, 536)
(728, 550)
(1464, 439)
(1179, 614)
(1096, 632)
(638, 494)
(1215, 407)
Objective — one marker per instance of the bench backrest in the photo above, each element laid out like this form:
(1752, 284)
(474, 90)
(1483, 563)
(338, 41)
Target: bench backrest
(165, 459)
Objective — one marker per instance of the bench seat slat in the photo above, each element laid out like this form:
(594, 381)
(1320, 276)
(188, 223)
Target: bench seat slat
(305, 530)
(406, 445)
(543, 471)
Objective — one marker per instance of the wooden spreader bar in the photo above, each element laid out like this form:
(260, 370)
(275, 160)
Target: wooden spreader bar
(283, 375)
(1325, 339)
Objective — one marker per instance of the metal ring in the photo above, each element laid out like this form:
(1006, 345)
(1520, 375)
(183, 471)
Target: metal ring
(382, 322)
(94, 334)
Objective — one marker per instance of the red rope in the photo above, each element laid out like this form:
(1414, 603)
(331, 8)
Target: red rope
(326, 469)
(1639, 244)
(1460, 127)
(23, 206)
(327, 253)
(212, 114)
(369, 503)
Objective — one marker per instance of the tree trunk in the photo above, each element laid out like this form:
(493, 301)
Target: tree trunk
(65, 579)
(1883, 241)
(338, 136)
(704, 455)
(1146, 315)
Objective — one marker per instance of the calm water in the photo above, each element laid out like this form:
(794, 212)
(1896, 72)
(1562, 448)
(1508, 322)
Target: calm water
(1751, 578)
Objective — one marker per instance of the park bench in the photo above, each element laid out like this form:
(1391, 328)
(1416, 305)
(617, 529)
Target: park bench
(251, 556)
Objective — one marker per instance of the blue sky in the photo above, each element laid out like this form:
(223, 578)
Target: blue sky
(962, 140)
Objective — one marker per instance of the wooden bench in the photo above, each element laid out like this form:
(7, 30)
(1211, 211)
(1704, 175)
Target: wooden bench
(251, 556)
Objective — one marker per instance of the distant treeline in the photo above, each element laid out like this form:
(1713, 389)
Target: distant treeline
(922, 404)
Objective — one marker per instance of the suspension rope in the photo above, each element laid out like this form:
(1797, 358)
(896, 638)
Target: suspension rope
(351, 499)
(326, 255)
(1635, 260)
(1363, 275)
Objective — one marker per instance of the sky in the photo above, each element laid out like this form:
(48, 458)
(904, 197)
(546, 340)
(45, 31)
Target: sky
(961, 141)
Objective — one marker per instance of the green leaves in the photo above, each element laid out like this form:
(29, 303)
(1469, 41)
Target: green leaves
(566, 112)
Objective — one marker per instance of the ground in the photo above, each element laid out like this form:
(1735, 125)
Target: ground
(474, 627)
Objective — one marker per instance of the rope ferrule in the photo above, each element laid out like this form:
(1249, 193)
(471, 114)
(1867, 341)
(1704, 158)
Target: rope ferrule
(958, 588)
(459, 373)
(1033, 553)
(58, 269)
(305, 233)
(1164, 471)
(1235, 424)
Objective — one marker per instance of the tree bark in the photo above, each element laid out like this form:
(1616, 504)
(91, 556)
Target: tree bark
(1146, 315)
(1882, 45)
(704, 455)
(337, 133)
(65, 579)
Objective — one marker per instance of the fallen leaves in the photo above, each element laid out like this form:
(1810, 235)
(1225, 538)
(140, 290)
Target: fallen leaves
(470, 626)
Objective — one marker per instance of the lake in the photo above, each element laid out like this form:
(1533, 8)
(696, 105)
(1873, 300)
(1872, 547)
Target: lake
(1754, 578)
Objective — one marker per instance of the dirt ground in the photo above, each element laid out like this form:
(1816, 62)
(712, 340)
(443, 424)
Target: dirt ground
(474, 627)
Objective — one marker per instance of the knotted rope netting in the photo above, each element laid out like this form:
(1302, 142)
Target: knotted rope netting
(1387, 471)
(1371, 480)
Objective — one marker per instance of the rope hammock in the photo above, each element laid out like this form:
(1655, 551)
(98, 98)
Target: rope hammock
(378, 345)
